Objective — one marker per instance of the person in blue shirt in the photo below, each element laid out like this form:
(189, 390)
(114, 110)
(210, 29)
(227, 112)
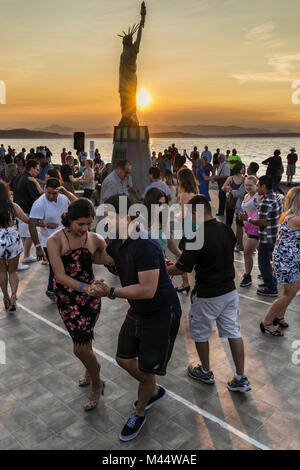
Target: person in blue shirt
(147, 336)
(44, 167)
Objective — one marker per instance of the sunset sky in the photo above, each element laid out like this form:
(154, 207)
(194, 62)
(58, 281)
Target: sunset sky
(217, 62)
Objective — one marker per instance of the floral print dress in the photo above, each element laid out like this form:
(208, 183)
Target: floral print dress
(10, 240)
(286, 255)
(78, 310)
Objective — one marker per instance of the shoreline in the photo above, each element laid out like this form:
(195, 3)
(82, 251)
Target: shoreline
(156, 135)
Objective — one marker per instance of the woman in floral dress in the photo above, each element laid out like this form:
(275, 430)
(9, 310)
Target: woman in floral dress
(286, 263)
(72, 251)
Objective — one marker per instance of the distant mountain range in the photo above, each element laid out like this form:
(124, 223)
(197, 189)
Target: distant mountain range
(29, 134)
(201, 129)
(56, 131)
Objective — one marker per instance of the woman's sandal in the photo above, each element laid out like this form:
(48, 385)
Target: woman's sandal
(13, 303)
(6, 301)
(281, 322)
(92, 403)
(265, 328)
(84, 381)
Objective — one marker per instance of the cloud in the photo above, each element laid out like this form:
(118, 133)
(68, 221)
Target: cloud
(284, 64)
(285, 69)
(263, 34)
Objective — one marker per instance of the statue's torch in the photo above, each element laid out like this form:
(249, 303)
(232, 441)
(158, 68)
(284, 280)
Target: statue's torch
(143, 13)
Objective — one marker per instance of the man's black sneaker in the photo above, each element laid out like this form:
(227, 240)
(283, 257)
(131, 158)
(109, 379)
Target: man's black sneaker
(267, 292)
(242, 385)
(219, 215)
(132, 427)
(262, 285)
(246, 281)
(162, 393)
(197, 373)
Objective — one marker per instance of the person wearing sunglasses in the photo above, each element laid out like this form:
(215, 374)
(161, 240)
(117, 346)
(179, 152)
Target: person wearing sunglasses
(119, 182)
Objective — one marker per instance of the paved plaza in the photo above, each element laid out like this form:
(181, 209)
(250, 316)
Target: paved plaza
(41, 403)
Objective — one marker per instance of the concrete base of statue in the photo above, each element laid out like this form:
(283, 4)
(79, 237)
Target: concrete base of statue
(132, 144)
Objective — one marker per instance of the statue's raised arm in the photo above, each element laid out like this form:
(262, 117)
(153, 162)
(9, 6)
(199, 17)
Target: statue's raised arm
(141, 26)
(127, 73)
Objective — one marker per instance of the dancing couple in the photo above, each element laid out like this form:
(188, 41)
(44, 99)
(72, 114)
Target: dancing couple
(147, 336)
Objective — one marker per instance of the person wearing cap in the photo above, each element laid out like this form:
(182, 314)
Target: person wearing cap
(291, 166)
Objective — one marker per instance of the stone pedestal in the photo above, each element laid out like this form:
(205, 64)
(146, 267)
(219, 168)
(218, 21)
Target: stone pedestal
(132, 144)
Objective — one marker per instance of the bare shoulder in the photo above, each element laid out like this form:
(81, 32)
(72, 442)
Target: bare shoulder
(56, 238)
(97, 240)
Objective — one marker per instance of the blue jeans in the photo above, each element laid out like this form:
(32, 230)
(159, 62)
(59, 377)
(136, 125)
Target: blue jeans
(265, 251)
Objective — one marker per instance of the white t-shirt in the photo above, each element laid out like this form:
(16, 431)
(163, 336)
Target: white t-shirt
(160, 185)
(49, 212)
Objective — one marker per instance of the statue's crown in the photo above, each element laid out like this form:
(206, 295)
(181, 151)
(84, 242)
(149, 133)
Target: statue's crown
(131, 31)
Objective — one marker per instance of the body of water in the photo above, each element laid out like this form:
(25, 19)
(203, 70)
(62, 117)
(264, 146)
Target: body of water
(250, 149)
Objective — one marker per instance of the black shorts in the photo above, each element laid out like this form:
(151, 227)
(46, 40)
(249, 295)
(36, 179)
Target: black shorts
(149, 338)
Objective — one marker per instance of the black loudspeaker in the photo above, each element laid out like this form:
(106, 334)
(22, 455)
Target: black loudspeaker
(79, 141)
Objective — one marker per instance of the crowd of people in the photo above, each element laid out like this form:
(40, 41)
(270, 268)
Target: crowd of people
(39, 205)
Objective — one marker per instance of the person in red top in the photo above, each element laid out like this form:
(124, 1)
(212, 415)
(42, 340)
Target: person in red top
(63, 156)
(291, 167)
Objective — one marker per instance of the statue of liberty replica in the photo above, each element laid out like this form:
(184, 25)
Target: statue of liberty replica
(131, 141)
(128, 76)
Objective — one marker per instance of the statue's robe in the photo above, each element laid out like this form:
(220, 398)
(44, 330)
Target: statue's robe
(128, 85)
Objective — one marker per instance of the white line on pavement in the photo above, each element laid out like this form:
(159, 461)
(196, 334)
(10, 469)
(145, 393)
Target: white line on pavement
(264, 302)
(221, 423)
(173, 395)
(255, 300)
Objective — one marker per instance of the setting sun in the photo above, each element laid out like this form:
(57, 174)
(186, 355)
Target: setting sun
(143, 98)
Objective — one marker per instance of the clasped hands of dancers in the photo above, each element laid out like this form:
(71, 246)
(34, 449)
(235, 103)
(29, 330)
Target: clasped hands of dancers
(98, 288)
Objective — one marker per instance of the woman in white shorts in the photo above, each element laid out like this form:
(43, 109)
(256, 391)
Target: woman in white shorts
(10, 247)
